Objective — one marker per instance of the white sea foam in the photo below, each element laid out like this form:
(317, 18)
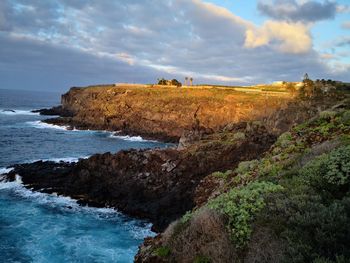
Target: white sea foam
(18, 179)
(44, 198)
(43, 125)
(130, 138)
(17, 112)
(142, 232)
(70, 204)
(68, 159)
(5, 170)
(57, 160)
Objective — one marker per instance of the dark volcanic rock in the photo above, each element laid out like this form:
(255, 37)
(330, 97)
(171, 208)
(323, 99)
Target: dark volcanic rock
(153, 184)
(54, 111)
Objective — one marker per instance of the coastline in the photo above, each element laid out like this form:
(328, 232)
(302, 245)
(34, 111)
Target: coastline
(162, 185)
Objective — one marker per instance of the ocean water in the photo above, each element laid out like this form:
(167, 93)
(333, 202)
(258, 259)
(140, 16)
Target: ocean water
(37, 227)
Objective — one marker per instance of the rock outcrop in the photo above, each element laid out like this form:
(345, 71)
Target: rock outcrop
(54, 111)
(157, 185)
(163, 113)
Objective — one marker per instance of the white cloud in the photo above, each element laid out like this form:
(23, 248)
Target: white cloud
(343, 8)
(346, 25)
(290, 37)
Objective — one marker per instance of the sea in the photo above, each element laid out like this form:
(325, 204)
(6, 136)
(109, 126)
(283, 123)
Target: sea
(38, 227)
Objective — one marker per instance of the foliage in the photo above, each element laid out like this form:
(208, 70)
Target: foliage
(173, 82)
(239, 136)
(329, 172)
(241, 205)
(162, 252)
(245, 172)
(313, 213)
(201, 259)
(306, 206)
(284, 140)
(327, 114)
(223, 175)
(186, 217)
(346, 117)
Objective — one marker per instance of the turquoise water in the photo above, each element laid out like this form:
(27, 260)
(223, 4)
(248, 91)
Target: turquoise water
(37, 227)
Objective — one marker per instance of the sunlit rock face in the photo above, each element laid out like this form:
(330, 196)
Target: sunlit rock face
(165, 113)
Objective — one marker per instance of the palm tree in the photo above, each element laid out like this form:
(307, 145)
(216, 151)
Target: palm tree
(186, 79)
(191, 81)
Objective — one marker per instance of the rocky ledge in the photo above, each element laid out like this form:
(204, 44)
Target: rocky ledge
(158, 185)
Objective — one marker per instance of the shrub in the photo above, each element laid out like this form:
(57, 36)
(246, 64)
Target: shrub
(284, 140)
(204, 237)
(317, 230)
(329, 172)
(346, 117)
(245, 172)
(239, 136)
(223, 175)
(240, 206)
(162, 252)
(312, 214)
(201, 259)
(327, 114)
(247, 166)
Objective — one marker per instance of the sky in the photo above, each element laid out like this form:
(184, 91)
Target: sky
(55, 44)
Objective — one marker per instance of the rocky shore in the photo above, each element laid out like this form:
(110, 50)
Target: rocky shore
(158, 185)
(216, 134)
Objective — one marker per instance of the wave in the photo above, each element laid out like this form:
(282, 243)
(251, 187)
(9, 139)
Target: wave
(5, 170)
(138, 229)
(44, 125)
(130, 138)
(17, 112)
(65, 159)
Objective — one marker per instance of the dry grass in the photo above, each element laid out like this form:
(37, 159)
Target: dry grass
(205, 235)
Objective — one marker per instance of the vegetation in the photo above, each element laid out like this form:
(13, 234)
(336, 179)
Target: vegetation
(173, 82)
(313, 214)
(162, 252)
(201, 259)
(299, 192)
(241, 205)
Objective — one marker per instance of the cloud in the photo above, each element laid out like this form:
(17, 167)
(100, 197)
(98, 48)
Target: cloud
(343, 9)
(346, 25)
(343, 41)
(83, 42)
(290, 37)
(304, 11)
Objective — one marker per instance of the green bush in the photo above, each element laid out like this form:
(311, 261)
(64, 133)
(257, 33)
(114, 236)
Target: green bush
(312, 214)
(328, 114)
(223, 175)
(201, 259)
(247, 166)
(346, 117)
(241, 205)
(162, 252)
(284, 140)
(329, 172)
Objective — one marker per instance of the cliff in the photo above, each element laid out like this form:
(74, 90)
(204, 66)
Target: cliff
(163, 113)
(254, 190)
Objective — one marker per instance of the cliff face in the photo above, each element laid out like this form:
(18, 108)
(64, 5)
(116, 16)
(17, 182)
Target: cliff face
(163, 113)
